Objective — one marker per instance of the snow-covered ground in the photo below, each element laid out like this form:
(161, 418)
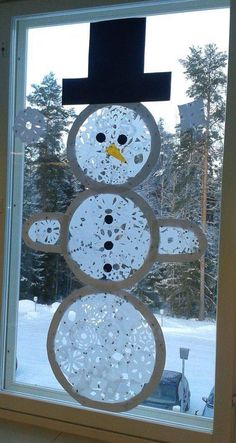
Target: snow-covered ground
(199, 337)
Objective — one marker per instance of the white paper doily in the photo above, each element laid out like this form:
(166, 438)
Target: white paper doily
(110, 238)
(180, 241)
(42, 232)
(113, 145)
(106, 349)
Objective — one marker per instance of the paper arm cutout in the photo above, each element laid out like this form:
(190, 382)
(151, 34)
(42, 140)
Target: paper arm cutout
(42, 232)
(180, 241)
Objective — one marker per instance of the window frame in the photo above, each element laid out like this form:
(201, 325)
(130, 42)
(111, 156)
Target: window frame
(63, 416)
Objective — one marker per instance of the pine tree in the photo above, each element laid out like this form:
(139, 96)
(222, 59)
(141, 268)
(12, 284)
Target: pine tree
(49, 186)
(205, 68)
(188, 186)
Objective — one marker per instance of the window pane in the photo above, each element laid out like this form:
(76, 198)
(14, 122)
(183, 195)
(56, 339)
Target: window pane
(185, 185)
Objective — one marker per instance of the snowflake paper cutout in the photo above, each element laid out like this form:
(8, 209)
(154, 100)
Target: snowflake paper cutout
(29, 125)
(45, 231)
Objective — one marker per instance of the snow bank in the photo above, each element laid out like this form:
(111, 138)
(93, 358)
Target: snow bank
(26, 306)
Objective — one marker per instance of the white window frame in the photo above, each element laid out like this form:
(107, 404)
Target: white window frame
(61, 414)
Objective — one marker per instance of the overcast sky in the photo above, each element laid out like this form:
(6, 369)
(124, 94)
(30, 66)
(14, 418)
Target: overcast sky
(64, 51)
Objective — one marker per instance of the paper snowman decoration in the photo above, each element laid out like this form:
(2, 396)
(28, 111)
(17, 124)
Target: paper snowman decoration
(104, 345)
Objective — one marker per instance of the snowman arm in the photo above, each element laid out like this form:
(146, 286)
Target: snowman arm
(43, 232)
(180, 241)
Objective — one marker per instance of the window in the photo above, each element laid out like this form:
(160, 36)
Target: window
(32, 187)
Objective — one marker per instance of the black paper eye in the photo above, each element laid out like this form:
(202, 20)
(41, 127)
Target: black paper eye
(100, 137)
(122, 139)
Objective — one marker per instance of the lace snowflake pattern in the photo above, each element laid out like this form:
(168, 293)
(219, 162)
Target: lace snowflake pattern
(113, 145)
(46, 232)
(108, 358)
(180, 241)
(29, 125)
(177, 241)
(116, 244)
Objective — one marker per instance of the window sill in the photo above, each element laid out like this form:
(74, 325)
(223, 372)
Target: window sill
(105, 426)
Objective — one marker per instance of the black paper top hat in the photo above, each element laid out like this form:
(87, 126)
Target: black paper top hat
(116, 67)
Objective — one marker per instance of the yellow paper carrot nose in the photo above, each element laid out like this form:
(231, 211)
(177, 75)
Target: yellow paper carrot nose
(114, 152)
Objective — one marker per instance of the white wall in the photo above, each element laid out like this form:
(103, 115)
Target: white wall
(19, 433)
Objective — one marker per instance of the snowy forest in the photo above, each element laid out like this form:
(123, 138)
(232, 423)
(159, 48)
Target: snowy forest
(186, 184)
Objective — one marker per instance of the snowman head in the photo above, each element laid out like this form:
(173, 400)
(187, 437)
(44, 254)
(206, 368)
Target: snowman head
(113, 145)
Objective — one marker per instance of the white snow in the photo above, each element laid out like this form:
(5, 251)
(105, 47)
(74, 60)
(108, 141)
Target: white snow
(26, 306)
(199, 337)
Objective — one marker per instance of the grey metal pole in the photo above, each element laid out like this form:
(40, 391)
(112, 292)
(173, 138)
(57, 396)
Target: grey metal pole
(182, 390)
(183, 353)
